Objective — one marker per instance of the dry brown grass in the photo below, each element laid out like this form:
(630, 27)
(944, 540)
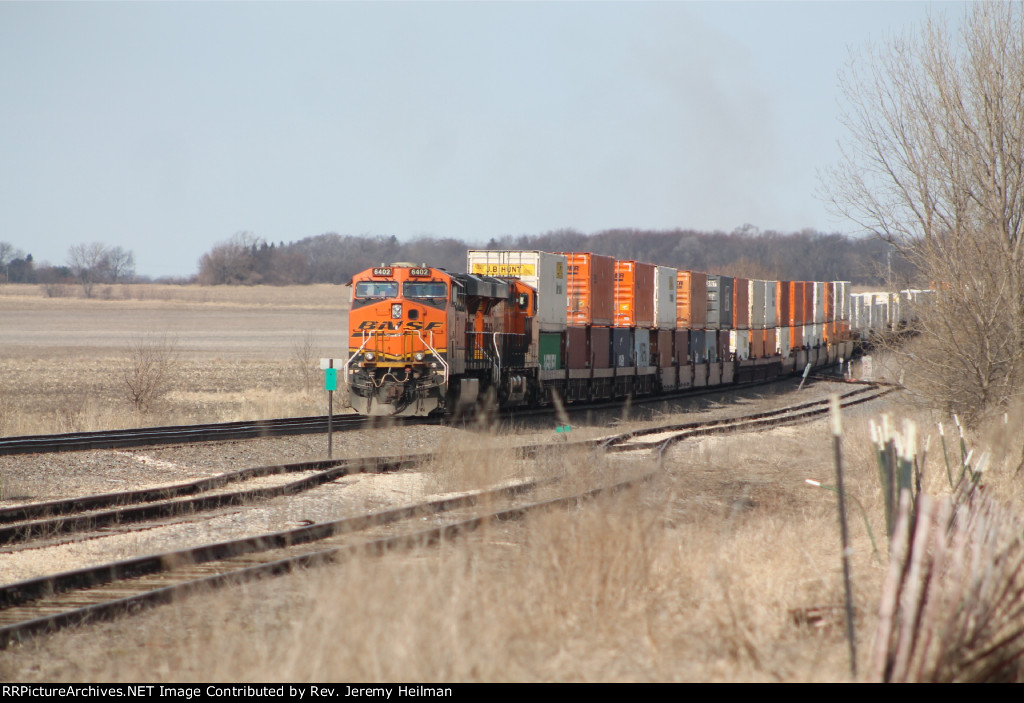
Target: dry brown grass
(725, 569)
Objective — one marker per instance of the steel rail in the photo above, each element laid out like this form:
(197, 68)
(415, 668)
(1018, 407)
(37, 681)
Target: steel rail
(83, 514)
(178, 434)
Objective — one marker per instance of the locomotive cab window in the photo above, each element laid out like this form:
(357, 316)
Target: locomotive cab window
(376, 289)
(424, 289)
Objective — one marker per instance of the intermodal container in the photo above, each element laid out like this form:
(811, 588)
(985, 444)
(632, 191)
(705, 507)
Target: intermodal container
(719, 302)
(808, 314)
(757, 344)
(682, 351)
(577, 347)
(770, 341)
(698, 350)
(783, 304)
(662, 348)
(665, 297)
(550, 349)
(591, 288)
(691, 299)
(600, 347)
(741, 303)
(818, 302)
(642, 346)
(758, 305)
(796, 337)
(782, 345)
(711, 345)
(739, 344)
(545, 272)
(622, 347)
(634, 294)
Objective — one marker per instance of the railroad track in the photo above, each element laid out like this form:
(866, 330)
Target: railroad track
(660, 438)
(184, 434)
(281, 427)
(76, 515)
(51, 602)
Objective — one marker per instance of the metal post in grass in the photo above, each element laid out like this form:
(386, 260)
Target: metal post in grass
(807, 370)
(837, 433)
(330, 385)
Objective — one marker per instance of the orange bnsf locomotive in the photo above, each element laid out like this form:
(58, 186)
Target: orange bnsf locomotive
(527, 327)
(422, 340)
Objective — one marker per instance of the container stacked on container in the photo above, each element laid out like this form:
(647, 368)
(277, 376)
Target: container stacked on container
(547, 274)
(591, 312)
(739, 332)
(719, 318)
(662, 336)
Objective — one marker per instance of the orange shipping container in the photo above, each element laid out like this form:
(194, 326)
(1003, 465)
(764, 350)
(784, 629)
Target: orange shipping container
(591, 288)
(796, 337)
(770, 341)
(634, 294)
(808, 315)
(691, 286)
(783, 304)
(757, 344)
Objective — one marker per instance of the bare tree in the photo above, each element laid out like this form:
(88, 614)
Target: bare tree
(8, 253)
(87, 262)
(149, 369)
(232, 261)
(119, 265)
(934, 164)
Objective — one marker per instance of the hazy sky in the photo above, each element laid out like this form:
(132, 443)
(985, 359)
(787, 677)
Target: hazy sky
(167, 127)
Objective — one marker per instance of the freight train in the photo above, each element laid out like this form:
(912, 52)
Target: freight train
(524, 328)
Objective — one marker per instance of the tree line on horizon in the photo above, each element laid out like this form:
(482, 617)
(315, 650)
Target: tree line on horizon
(246, 259)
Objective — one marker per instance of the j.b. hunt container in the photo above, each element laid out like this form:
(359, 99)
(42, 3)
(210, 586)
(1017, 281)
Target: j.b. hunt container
(545, 272)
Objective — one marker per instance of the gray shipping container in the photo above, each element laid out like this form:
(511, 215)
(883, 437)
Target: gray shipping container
(664, 298)
(698, 354)
(622, 347)
(642, 345)
(719, 303)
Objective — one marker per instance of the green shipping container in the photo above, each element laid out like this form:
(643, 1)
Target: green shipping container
(550, 351)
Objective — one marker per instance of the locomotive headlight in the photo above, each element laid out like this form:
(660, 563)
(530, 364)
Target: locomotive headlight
(396, 311)
(368, 356)
(420, 356)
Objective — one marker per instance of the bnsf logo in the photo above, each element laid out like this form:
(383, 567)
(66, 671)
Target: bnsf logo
(371, 325)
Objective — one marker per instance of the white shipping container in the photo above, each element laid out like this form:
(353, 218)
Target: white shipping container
(665, 297)
(819, 301)
(739, 344)
(782, 342)
(842, 310)
(543, 271)
(771, 304)
(757, 305)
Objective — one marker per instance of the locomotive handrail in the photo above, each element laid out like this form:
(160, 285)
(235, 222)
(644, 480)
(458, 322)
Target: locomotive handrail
(428, 345)
(366, 338)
